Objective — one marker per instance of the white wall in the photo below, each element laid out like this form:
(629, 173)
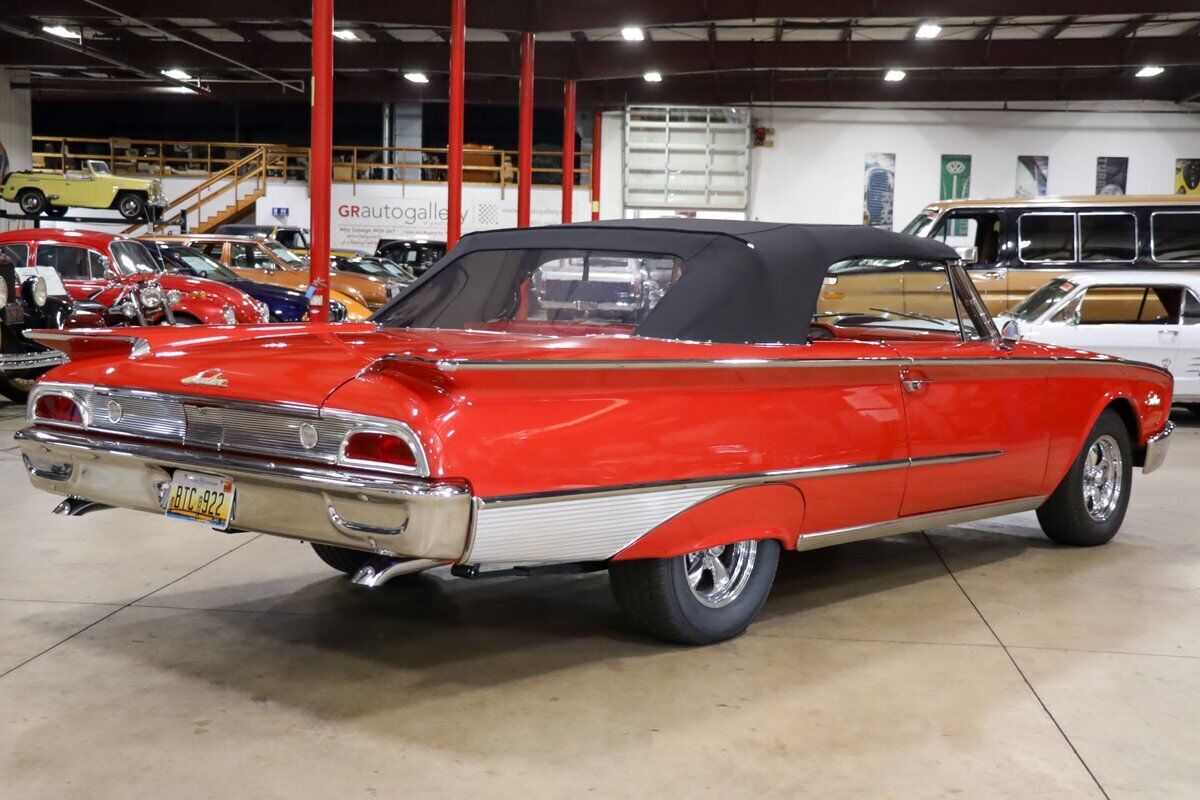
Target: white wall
(814, 173)
(15, 127)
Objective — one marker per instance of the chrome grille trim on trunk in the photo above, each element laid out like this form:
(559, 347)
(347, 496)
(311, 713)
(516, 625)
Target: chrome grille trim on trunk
(220, 428)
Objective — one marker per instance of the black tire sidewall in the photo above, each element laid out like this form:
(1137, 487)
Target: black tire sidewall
(716, 624)
(1066, 517)
(34, 193)
(141, 206)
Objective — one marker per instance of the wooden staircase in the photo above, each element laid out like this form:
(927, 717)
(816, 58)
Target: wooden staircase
(228, 196)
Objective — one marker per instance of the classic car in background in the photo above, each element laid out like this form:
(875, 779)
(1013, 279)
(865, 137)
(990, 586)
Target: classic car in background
(31, 298)
(378, 266)
(416, 254)
(292, 237)
(284, 305)
(53, 193)
(1014, 246)
(118, 277)
(680, 444)
(267, 261)
(1142, 315)
(602, 285)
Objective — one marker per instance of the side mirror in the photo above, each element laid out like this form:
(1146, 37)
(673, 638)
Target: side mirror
(1010, 331)
(969, 255)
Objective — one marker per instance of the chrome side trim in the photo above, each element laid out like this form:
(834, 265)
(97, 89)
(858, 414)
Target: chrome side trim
(919, 522)
(737, 480)
(1156, 448)
(138, 345)
(450, 366)
(17, 362)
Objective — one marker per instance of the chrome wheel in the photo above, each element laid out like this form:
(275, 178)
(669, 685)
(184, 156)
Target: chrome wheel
(130, 206)
(1102, 478)
(717, 575)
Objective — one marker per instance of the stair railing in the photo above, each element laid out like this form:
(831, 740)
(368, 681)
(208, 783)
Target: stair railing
(250, 172)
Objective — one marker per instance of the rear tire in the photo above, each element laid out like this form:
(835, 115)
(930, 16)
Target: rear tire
(32, 202)
(664, 596)
(1089, 505)
(131, 206)
(56, 212)
(341, 558)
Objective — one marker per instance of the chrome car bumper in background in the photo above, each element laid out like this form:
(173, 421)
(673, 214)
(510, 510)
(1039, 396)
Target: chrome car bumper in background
(1156, 448)
(389, 515)
(20, 362)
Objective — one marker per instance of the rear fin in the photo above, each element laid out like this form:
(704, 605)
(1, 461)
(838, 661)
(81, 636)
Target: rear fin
(92, 343)
(411, 368)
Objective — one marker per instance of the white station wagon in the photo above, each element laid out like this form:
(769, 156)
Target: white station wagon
(1142, 315)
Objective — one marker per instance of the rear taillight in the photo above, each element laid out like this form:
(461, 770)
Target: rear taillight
(58, 408)
(384, 449)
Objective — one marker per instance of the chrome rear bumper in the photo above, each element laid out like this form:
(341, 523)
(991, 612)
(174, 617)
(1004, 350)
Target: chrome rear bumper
(394, 516)
(1156, 448)
(20, 362)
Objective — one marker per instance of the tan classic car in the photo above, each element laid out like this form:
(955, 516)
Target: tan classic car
(53, 193)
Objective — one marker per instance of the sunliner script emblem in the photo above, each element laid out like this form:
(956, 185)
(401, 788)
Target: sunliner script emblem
(208, 377)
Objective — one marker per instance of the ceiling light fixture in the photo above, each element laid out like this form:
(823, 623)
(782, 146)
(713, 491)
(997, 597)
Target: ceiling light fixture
(61, 32)
(929, 31)
(346, 35)
(633, 34)
(416, 77)
(1150, 72)
(894, 75)
(653, 77)
(177, 74)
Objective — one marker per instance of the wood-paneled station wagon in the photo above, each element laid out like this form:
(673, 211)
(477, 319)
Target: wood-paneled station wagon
(681, 438)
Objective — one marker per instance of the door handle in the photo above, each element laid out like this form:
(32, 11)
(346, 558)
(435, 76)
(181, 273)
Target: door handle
(915, 384)
(993, 275)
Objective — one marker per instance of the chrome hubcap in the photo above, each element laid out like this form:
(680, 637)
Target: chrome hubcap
(31, 203)
(717, 575)
(1102, 473)
(129, 205)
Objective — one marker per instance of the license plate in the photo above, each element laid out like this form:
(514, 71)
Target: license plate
(201, 498)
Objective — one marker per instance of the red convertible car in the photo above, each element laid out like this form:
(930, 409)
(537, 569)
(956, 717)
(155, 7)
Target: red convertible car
(752, 400)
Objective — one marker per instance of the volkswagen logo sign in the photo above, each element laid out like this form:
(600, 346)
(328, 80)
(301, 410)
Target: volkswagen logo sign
(114, 412)
(308, 436)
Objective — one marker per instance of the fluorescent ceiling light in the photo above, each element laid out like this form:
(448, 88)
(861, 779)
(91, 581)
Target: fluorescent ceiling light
(177, 74)
(633, 34)
(416, 77)
(894, 75)
(928, 31)
(60, 32)
(653, 77)
(1150, 72)
(346, 35)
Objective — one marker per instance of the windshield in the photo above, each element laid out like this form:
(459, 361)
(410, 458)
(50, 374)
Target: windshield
(365, 267)
(99, 167)
(1035, 305)
(283, 254)
(292, 237)
(561, 292)
(193, 262)
(131, 257)
(921, 223)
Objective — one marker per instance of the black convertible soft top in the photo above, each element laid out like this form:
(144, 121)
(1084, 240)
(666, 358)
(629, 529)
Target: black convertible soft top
(742, 281)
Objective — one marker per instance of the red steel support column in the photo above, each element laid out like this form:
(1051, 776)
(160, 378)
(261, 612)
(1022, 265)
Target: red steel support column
(597, 125)
(525, 134)
(568, 155)
(320, 171)
(454, 147)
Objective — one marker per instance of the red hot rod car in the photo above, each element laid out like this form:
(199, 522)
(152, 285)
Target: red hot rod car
(770, 392)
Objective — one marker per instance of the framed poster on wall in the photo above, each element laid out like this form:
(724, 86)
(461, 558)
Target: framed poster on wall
(1187, 176)
(1033, 175)
(955, 184)
(879, 189)
(1112, 172)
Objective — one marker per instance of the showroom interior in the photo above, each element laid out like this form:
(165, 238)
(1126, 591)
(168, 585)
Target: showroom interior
(803, 432)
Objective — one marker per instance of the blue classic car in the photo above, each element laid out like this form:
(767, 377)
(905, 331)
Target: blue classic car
(287, 305)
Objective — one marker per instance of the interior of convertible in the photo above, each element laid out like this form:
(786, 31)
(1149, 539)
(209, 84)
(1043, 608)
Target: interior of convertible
(576, 292)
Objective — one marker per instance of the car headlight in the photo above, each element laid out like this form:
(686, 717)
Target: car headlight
(127, 309)
(337, 312)
(35, 290)
(230, 315)
(151, 296)
(174, 297)
(264, 312)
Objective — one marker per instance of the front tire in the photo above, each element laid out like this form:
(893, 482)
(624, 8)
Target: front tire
(1089, 505)
(56, 212)
(131, 206)
(699, 598)
(31, 201)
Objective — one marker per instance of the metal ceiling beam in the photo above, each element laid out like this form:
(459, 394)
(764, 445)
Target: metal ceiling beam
(967, 86)
(566, 15)
(605, 60)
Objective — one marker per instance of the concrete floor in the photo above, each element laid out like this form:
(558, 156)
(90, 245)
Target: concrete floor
(145, 658)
